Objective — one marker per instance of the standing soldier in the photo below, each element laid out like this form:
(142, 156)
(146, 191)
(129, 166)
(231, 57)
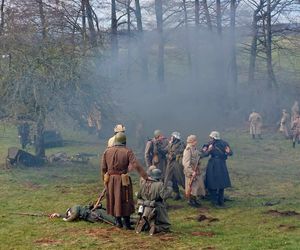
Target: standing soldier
(174, 170)
(23, 134)
(152, 210)
(295, 111)
(194, 185)
(217, 177)
(119, 193)
(284, 128)
(118, 128)
(296, 130)
(255, 124)
(155, 151)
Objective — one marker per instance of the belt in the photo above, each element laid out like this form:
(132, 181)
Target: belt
(116, 173)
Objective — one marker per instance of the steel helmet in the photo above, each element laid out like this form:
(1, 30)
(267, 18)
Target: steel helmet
(156, 174)
(157, 133)
(176, 135)
(215, 135)
(119, 128)
(72, 213)
(120, 139)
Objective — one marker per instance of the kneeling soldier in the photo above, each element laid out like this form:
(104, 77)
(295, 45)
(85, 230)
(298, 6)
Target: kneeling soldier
(152, 209)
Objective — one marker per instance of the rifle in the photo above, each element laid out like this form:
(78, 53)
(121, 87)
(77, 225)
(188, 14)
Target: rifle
(101, 196)
(192, 179)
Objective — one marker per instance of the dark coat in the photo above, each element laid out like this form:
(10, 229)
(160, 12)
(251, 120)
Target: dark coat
(217, 176)
(115, 162)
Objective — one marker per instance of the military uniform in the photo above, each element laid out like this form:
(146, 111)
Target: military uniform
(152, 195)
(217, 177)
(174, 170)
(119, 194)
(23, 132)
(284, 128)
(296, 130)
(255, 124)
(194, 185)
(295, 111)
(155, 153)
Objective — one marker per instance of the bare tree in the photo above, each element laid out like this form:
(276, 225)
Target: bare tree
(2, 17)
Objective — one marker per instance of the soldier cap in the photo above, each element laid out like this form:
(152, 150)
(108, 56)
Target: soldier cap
(191, 138)
(119, 128)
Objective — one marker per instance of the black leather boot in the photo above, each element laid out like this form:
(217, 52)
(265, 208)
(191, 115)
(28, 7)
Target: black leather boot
(119, 222)
(127, 223)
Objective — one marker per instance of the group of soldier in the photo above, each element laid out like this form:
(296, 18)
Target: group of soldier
(170, 164)
(289, 125)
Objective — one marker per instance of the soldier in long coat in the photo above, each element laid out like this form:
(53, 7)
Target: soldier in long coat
(174, 170)
(119, 194)
(217, 177)
(156, 150)
(284, 121)
(194, 184)
(255, 120)
(296, 130)
(294, 111)
(151, 197)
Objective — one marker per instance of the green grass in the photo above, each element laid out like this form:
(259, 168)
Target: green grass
(261, 171)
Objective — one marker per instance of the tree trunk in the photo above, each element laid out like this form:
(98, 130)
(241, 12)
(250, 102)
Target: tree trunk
(207, 15)
(83, 9)
(253, 48)
(39, 142)
(271, 75)
(114, 30)
(219, 17)
(187, 36)
(2, 17)
(141, 42)
(161, 46)
(43, 19)
(129, 48)
(89, 15)
(197, 11)
(233, 64)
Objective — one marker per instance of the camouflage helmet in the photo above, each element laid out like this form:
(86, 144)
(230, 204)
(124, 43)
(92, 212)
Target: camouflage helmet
(215, 135)
(120, 139)
(191, 138)
(156, 174)
(176, 135)
(119, 128)
(72, 213)
(157, 133)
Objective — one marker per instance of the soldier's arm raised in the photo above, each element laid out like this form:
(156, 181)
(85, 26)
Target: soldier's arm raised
(136, 165)
(148, 149)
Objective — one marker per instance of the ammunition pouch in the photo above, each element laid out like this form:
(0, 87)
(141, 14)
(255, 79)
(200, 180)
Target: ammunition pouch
(125, 180)
(149, 211)
(106, 178)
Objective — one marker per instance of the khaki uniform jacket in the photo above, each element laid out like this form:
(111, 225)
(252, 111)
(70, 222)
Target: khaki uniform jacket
(295, 111)
(255, 123)
(296, 127)
(191, 164)
(115, 162)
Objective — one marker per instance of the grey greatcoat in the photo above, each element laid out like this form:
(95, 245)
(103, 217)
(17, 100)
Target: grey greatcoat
(217, 176)
(174, 170)
(152, 190)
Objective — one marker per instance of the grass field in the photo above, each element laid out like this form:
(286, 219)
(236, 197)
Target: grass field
(262, 171)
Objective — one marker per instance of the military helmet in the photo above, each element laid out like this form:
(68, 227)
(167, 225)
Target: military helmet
(156, 174)
(72, 213)
(119, 128)
(176, 135)
(157, 133)
(215, 135)
(120, 139)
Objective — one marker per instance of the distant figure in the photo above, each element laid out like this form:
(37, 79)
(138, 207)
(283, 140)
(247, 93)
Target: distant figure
(139, 137)
(156, 150)
(118, 128)
(94, 120)
(217, 177)
(119, 191)
(284, 128)
(296, 130)
(255, 120)
(194, 184)
(152, 208)
(174, 170)
(23, 134)
(294, 111)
